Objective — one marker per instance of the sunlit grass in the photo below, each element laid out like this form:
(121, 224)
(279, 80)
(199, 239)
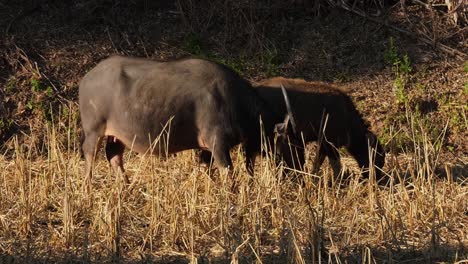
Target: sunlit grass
(174, 209)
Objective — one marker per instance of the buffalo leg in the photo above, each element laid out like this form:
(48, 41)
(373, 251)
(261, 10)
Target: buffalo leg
(250, 155)
(319, 158)
(326, 150)
(205, 157)
(223, 161)
(222, 156)
(114, 154)
(89, 148)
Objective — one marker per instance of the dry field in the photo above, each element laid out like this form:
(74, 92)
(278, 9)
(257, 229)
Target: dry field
(175, 211)
(413, 93)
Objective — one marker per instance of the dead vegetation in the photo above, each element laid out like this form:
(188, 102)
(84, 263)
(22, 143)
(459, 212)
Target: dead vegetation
(174, 211)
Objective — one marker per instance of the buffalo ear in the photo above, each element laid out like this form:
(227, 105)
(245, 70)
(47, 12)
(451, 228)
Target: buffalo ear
(281, 129)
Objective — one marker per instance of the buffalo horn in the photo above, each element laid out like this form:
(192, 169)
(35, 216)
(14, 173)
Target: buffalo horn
(288, 107)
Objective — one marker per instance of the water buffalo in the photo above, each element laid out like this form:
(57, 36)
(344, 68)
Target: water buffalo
(194, 103)
(326, 114)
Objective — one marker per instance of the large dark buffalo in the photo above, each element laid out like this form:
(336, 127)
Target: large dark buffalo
(326, 114)
(192, 103)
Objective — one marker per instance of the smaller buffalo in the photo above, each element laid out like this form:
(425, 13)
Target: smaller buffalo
(326, 114)
(195, 103)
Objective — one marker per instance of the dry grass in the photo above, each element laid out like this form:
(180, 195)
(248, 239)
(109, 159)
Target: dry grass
(174, 211)
(177, 212)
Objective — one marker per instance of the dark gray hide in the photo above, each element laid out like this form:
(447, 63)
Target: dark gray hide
(200, 104)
